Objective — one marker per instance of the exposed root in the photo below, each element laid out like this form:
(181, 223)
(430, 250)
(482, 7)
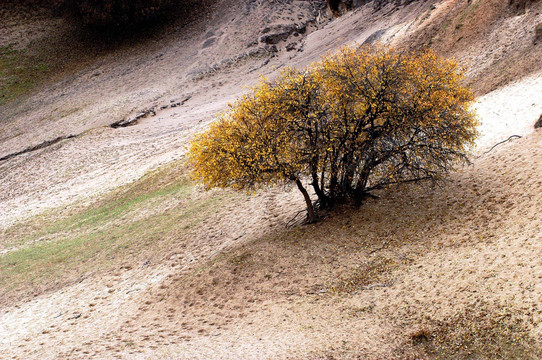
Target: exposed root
(500, 143)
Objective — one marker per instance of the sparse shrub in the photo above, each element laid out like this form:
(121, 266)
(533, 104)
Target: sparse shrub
(361, 120)
(372, 273)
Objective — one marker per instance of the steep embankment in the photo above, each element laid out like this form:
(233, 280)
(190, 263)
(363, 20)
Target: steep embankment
(100, 262)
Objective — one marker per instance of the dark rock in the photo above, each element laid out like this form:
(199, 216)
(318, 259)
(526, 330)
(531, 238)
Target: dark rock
(251, 4)
(209, 42)
(300, 29)
(255, 68)
(274, 34)
(199, 72)
(180, 102)
(374, 37)
(40, 146)
(291, 46)
(271, 48)
(277, 36)
(209, 34)
(520, 6)
(134, 120)
(538, 124)
(257, 52)
(379, 4)
(252, 43)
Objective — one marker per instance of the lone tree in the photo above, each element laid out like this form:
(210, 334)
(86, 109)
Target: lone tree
(361, 120)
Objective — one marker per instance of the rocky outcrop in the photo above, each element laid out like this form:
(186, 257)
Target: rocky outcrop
(200, 71)
(339, 7)
(379, 4)
(538, 124)
(274, 34)
(375, 37)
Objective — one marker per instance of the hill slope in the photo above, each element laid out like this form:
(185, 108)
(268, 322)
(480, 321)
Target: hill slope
(108, 250)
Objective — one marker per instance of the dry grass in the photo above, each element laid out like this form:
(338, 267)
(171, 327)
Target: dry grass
(481, 331)
(374, 273)
(403, 258)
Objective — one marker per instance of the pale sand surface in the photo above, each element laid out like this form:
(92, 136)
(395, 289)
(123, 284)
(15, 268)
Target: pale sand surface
(472, 244)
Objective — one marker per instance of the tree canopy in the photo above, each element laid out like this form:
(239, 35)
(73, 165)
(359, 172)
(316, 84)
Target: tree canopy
(364, 119)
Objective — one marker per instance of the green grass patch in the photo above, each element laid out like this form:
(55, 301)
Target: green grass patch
(118, 207)
(19, 72)
(127, 227)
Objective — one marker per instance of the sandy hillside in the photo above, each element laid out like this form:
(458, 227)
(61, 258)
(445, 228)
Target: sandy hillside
(206, 64)
(450, 272)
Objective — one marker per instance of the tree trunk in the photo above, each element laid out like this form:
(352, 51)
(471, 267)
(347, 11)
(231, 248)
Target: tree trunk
(324, 199)
(311, 215)
(359, 192)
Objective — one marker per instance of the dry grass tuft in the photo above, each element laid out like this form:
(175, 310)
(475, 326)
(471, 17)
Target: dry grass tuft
(373, 273)
(420, 335)
(478, 332)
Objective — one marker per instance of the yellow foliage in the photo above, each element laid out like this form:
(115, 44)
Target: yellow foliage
(360, 120)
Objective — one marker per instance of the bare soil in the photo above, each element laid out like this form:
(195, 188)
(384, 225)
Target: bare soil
(450, 272)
